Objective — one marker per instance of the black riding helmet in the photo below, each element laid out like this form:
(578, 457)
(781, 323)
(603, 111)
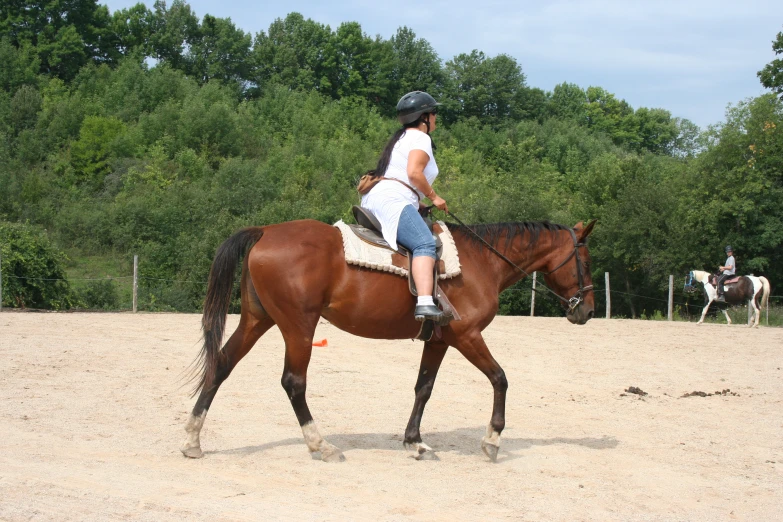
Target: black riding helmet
(413, 105)
(729, 249)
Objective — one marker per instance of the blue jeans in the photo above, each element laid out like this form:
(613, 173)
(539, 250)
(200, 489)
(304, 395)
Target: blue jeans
(413, 234)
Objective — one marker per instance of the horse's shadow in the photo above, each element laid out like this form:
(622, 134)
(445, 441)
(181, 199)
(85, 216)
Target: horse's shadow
(463, 441)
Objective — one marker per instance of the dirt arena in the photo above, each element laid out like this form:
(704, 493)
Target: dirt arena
(93, 411)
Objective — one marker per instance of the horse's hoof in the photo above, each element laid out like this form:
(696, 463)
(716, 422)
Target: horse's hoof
(192, 452)
(426, 455)
(490, 450)
(332, 454)
(421, 451)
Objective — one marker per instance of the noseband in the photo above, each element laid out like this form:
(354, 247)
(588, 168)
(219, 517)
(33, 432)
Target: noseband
(578, 298)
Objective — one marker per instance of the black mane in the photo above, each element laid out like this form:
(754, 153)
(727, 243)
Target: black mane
(492, 232)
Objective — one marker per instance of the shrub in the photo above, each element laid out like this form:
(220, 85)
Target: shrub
(32, 269)
(100, 295)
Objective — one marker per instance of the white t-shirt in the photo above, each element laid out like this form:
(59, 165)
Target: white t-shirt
(386, 200)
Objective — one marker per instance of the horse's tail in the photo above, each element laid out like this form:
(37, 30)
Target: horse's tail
(765, 291)
(221, 282)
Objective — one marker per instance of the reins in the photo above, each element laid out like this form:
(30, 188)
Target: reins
(572, 302)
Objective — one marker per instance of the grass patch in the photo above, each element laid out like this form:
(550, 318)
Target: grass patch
(101, 282)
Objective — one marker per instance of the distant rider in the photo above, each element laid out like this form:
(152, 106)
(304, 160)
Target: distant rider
(728, 269)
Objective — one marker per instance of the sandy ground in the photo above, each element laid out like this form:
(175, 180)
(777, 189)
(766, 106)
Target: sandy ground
(92, 416)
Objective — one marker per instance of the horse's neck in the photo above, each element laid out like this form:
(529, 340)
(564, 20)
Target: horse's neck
(701, 276)
(526, 256)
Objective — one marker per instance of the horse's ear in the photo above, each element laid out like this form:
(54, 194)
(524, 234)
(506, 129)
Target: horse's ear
(584, 232)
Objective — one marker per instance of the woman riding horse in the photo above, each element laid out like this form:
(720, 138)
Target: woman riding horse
(408, 159)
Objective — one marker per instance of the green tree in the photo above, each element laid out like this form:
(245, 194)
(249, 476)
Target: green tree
(491, 89)
(220, 52)
(296, 53)
(686, 144)
(417, 66)
(173, 30)
(738, 188)
(33, 273)
(605, 113)
(568, 100)
(533, 104)
(361, 63)
(20, 65)
(132, 30)
(771, 76)
(658, 132)
(25, 106)
(66, 34)
(90, 155)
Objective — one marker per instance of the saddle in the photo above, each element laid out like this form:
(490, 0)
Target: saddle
(733, 279)
(368, 229)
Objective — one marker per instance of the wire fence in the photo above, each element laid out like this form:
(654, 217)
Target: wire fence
(639, 306)
(116, 293)
(692, 309)
(159, 294)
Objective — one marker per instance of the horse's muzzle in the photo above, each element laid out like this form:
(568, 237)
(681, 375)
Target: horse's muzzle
(581, 314)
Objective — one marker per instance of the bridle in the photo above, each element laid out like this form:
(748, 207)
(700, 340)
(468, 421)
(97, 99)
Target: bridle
(689, 286)
(578, 298)
(574, 301)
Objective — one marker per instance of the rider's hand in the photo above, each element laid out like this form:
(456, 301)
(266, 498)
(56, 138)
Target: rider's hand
(440, 203)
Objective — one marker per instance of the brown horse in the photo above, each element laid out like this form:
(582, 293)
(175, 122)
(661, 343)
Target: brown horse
(296, 273)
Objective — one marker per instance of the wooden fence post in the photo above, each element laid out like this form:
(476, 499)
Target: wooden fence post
(135, 281)
(533, 296)
(608, 297)
(671, 298)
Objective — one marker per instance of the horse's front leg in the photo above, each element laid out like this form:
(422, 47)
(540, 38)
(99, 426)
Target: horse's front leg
(704, 312)
(431, 357)
(475, 350)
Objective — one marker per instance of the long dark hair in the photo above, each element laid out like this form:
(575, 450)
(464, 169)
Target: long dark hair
(383, 161)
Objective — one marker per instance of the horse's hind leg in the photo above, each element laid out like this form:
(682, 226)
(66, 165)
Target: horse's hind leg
(431, 357)
(298, 336)
(756, 313)
(250, 329)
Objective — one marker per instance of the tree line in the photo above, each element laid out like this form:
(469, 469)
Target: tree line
(156, 132)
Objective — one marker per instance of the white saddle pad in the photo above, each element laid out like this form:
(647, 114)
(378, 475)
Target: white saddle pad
(361, 253)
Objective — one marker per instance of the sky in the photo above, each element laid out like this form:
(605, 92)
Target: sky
(690, 57)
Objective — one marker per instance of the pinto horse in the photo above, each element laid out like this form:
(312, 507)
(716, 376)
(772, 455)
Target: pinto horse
(751, 289)
(295, 273)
